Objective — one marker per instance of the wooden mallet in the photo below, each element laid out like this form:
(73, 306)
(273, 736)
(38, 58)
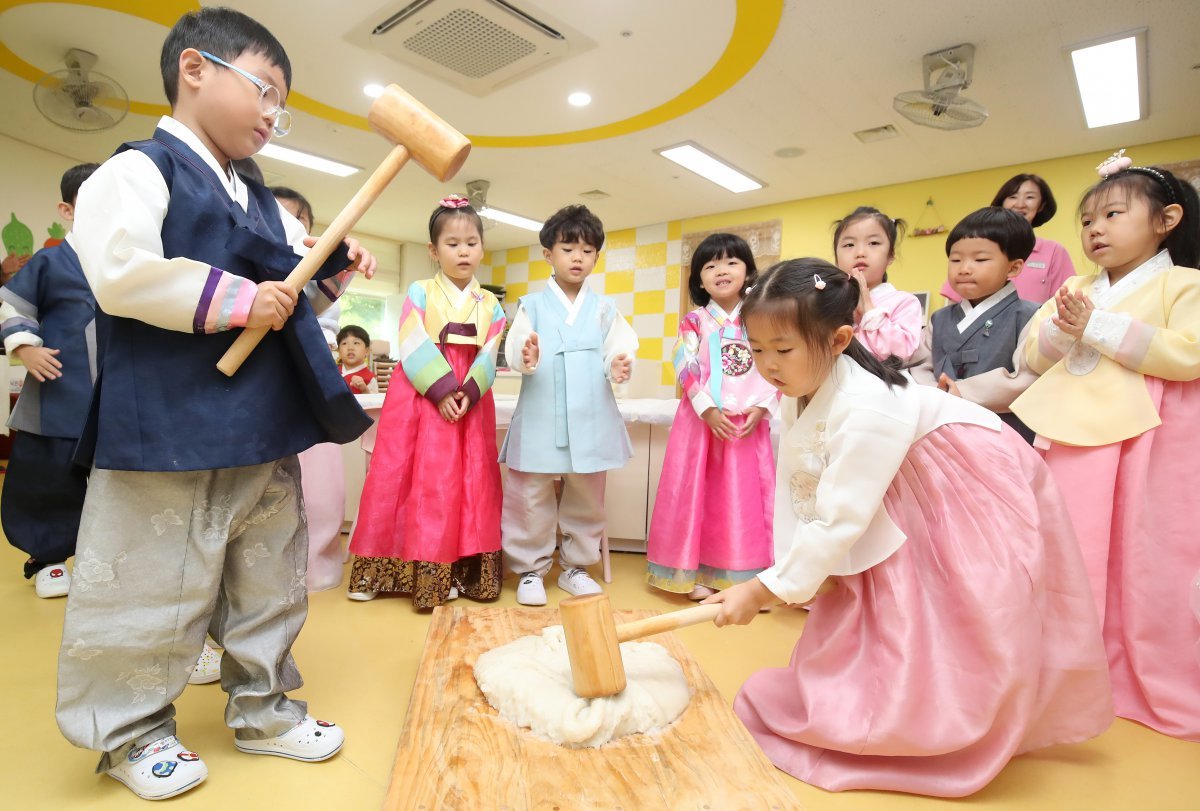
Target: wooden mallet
(418, 134)
(594, 639)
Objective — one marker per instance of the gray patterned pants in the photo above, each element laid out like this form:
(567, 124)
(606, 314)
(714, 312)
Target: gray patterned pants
(162, 558)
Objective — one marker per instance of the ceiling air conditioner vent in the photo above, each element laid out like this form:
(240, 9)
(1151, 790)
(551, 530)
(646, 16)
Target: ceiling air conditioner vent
(475, 45)
(497, 46)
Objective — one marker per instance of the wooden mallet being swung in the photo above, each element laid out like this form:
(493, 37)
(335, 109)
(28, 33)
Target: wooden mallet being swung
(594, 639)
(418, 133)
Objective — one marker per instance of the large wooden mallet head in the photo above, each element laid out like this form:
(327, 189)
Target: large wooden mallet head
(594, 640)
(418, 134)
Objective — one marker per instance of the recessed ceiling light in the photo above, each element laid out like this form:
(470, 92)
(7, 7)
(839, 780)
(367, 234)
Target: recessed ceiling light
(510, 219)
(373, 90)
(1111, 76)
(709, 166)
(789, 152)
(579, 99)
(295, 156)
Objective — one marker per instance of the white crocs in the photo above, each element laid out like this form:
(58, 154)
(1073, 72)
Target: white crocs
(310, 740)
(160, 769)
(52, 581)
(208, 667)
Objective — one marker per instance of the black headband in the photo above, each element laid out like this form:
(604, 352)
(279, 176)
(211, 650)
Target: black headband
(1154, 174)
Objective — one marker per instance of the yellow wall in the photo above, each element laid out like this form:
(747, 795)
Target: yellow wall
(921, 261)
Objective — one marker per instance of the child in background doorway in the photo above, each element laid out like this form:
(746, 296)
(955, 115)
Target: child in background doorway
(354, 347)
(711, 526)
(569, 344)
(887, 321)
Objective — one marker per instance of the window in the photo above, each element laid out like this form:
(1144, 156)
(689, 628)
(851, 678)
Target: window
(364, 310)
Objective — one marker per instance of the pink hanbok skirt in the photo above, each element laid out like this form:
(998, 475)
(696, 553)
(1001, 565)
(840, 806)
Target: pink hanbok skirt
(713, 512)
(1136, 508)
(973, 642)
(323, 477)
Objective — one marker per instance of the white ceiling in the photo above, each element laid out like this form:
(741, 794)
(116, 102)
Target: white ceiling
(831, 69)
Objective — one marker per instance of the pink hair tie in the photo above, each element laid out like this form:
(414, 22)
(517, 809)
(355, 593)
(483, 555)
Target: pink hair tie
(1117, 162)
(454, 201)
(818, 282)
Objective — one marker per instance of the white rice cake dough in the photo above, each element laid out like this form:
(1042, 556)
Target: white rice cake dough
(528, 681)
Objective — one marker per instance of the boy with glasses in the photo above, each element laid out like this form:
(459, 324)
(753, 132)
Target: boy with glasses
(193, 519)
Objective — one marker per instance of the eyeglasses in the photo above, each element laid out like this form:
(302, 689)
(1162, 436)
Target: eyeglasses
(268, 98)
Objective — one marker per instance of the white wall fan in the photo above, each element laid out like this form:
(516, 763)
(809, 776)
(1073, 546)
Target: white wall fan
(78, 98)
(947, 73)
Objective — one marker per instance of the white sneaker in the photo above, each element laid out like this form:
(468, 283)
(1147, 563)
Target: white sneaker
(52, 581)
(530, 590)
(310, 740)
(700, 592)
(362, 596)
(453, 595)
(160, 769)
(578, 582)
(208, 667)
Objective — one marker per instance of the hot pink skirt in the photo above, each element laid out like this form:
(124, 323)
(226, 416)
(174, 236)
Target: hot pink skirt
(433, 491)
(713, 512)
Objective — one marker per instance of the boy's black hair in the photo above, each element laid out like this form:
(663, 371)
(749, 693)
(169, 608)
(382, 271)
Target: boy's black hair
(1005, 227)
(356, 331)
(719, 246)
(286, 193)
(1160, 188)
(1013, 185)
(249, 170)
(573, 224)
(224, 33)
(788, 293)
(72, 179)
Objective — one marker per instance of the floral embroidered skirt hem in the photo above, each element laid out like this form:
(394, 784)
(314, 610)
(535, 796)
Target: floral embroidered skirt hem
(681, 581)
(477, 577)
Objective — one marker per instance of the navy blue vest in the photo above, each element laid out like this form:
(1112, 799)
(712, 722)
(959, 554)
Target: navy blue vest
(161, 404)
(53, 283)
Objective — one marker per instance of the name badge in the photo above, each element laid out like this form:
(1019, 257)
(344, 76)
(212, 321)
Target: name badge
(1038, 265)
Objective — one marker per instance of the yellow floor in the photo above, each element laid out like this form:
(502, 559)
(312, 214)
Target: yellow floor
(359, 661)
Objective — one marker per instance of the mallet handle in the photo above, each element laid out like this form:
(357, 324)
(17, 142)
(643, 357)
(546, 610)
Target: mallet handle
(667, 622)
(233, 359)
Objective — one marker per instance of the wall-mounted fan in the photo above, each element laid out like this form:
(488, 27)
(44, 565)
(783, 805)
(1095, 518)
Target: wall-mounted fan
(78, 98)
(947, 73)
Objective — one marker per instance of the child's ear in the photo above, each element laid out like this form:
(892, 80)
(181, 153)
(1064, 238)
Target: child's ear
(1172, 214)
(432, 251)
(546, 254)
(66, 211)
(1015, 268)
(841, 339)
(191, 66)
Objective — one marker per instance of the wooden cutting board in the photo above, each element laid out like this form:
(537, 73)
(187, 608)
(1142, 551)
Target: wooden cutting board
(457, 753)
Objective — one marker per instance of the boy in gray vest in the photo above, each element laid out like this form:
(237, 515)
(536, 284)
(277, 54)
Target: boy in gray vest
(973, 349)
